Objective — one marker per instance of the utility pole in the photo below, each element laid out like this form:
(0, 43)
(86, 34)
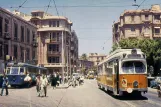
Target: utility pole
(67, 62)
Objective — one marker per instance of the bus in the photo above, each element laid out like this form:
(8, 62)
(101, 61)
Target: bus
(16, 72)
(124, 72)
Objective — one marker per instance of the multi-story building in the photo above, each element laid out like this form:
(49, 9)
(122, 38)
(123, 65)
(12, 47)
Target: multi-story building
(145, 23)
(96, 58)
(57, 43)
(17, 38)
(85, 64)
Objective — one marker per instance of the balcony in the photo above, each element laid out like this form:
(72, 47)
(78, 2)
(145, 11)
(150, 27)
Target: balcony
(7, 36)
(54, 53)
(146, 21)
(132, 35)
(16, 38)
(36, 17)
(53, 65)
(156, 21)
(146, 34)
(157, 35)
(53, 41)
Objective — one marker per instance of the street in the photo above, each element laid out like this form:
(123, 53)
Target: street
(87, 95)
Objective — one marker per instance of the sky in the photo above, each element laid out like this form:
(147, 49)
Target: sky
(92, 19)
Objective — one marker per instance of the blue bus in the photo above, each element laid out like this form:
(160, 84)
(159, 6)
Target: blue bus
(16, 73)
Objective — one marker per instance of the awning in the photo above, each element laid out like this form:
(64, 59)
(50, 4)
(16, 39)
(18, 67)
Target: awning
(157, 27)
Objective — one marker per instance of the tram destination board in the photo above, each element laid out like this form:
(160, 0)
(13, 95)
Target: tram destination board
(134, 56)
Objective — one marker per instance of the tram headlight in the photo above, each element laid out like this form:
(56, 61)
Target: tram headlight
(135, 84)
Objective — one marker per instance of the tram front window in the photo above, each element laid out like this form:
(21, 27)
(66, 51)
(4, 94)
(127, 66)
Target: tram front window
(133, 67)
(14, 70)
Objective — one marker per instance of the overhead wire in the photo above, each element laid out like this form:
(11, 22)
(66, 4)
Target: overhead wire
(21, 5)
(48, 6)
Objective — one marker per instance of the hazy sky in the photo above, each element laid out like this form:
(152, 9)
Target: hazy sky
(92, 19)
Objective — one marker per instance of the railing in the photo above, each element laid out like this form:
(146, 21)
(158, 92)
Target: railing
(35, 44)
(157, 34)
(156, 21)
(53, 53)
(7, 35)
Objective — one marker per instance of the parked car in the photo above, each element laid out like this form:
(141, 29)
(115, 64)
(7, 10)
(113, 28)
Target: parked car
(155, 82)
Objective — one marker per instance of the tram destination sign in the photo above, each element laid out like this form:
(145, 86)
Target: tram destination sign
(134, 56)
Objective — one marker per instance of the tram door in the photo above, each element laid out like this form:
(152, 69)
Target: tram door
(116, 68)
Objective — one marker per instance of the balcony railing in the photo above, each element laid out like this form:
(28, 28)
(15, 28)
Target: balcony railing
(156, 21)
(157, 34)
(54, 53)
(7, 35)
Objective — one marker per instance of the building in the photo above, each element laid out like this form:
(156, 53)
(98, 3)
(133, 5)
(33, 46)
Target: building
(17, 38)
(85, 64)
(96, 58)
(57, 43)
(145, 23)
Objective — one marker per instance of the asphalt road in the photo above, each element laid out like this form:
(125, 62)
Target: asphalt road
(87, 95)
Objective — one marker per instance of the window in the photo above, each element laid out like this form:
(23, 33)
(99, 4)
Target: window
(15, 51)
(21, 70)
(133, 67)
(6, 49)
(14, 70)
(50, 23)
(132, 18)
(22, 53)
(54, 35)
(54, 24)
(146, 17)
(6, 25)
(157, 30)
(157, 17)
(22, 34)
(57, 23)
(28, 35)
(53, 47)
(132, 29)
(28, 54)
(1, 25)
(15, 31)
(33, 36)
(53, 59)
(33, 54)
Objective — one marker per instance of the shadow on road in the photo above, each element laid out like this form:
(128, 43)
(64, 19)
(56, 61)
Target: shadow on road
(125, 97)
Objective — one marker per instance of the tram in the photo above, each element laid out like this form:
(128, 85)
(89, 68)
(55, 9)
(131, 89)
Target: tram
(16, 72)
(124, 72)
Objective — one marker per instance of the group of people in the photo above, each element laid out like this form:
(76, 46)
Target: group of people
(56, 79)
(41, 85)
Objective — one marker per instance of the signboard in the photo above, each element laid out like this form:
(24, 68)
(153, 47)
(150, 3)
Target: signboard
(134, 56)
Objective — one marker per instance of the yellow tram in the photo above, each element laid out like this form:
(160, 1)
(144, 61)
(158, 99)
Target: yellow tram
(124, 71)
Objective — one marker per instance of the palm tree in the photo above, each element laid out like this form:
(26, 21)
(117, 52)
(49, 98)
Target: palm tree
(84, 56)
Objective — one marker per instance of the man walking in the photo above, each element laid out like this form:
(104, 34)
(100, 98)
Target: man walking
(38, 85)
(5, 85)
(44, 83)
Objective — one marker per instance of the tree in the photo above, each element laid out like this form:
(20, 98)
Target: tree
(84, 56)
(152, 49)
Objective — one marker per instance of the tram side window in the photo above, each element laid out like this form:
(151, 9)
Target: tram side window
(14, 70)
(21, 70)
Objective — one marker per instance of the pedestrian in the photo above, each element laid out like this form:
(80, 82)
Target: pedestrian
(58, 82)
(38, 85)
(54, 81)
(60, 79)
(5, 84)
(44, 83)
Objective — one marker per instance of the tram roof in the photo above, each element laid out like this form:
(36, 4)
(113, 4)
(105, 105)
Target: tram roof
(120, 50)
(25, 65)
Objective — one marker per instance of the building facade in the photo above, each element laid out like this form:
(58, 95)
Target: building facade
(96, 58)
(85, 64)
(17, 38)
(145, 23)
(57, 43)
